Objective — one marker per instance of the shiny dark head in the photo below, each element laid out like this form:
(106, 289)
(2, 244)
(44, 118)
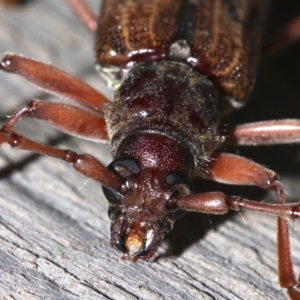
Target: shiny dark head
(154, 169)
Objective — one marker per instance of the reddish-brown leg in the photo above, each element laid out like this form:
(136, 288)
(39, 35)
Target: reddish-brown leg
(286, 273)
(264, 133)
(53, 80)
(270, 133)
(287, 36)
(70, 119)
(233, 169)
(84, 13)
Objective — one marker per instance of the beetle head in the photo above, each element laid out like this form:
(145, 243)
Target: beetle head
(154, 170)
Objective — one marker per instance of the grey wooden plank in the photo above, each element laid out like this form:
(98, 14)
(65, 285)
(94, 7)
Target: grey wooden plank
(54, 229)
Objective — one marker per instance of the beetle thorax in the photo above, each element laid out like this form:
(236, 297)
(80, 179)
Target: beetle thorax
(169, 98)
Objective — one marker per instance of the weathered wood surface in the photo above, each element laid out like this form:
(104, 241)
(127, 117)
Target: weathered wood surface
(54, 229)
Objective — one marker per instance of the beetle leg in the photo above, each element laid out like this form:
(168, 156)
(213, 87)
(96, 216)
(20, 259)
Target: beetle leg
(287, 36)
(84, 13)
(70, 119)
(263, 133)
(233, 169)
(53, 80)
(287, 278)
(217, 203)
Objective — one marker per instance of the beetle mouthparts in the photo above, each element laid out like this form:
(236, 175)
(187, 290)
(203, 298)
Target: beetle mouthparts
(138, 240)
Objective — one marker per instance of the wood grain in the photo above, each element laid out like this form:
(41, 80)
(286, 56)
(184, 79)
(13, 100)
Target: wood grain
(54, 229)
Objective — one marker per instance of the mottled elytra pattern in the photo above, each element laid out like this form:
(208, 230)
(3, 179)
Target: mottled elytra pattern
(222, 39)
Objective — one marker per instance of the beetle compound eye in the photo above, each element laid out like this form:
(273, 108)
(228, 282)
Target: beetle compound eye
(125, 167)
(111, 195)
(177, 177)
(181, 184)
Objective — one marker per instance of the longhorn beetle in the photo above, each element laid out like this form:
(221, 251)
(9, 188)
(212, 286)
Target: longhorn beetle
(176, 69)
